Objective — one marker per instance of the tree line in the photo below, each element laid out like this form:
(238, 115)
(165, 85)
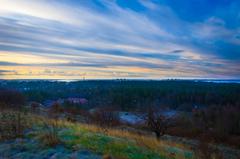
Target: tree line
(132, 95)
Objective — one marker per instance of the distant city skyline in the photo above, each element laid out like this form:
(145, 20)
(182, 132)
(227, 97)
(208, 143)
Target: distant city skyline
(111, 39)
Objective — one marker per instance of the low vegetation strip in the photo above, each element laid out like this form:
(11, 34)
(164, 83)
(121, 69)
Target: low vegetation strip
(59, 138)
(49, 134)
(101, 143)
(116, 143)
(146, 143)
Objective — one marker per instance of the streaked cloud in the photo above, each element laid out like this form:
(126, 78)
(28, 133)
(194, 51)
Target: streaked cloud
(106, 39)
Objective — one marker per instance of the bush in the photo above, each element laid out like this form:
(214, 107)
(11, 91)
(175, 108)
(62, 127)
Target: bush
(49, 131)
(105, 118)
(219, 122)
(206, 151)
(12, 124)
(183, 126)
(55, 111)
(11, 99)
(48, 134)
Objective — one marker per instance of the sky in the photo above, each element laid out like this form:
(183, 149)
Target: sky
(112, 39)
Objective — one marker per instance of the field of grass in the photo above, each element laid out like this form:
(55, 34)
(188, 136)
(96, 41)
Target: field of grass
(120, 144)
(114, 142)
(76, 137)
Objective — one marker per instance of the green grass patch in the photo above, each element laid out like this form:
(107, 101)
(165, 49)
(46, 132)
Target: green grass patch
(103, 144)
(78, 137)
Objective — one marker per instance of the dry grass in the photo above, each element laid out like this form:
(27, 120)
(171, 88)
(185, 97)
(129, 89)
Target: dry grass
(141, 140)
(48, 133)
(149, 142)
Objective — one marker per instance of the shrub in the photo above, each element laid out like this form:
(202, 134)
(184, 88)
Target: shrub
(206, 151)
(219, 123)
(11, 99)
(105, 118)
(48, 134)
(55, 110)
(12, 124)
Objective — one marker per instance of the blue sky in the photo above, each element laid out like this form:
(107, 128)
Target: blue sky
(108, 39)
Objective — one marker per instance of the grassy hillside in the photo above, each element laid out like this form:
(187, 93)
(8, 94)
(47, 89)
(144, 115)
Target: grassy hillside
(49, 137)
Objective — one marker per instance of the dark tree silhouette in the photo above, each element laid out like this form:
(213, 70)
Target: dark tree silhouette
(157, 122)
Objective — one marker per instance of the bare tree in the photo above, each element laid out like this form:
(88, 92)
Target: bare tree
(157, 123)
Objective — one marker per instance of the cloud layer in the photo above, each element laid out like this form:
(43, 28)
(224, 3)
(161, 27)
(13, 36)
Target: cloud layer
(119, 39)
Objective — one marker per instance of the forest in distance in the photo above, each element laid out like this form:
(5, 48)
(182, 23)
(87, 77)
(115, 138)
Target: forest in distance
(127, 95)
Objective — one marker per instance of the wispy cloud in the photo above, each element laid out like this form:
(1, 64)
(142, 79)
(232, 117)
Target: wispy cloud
(76, 39)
